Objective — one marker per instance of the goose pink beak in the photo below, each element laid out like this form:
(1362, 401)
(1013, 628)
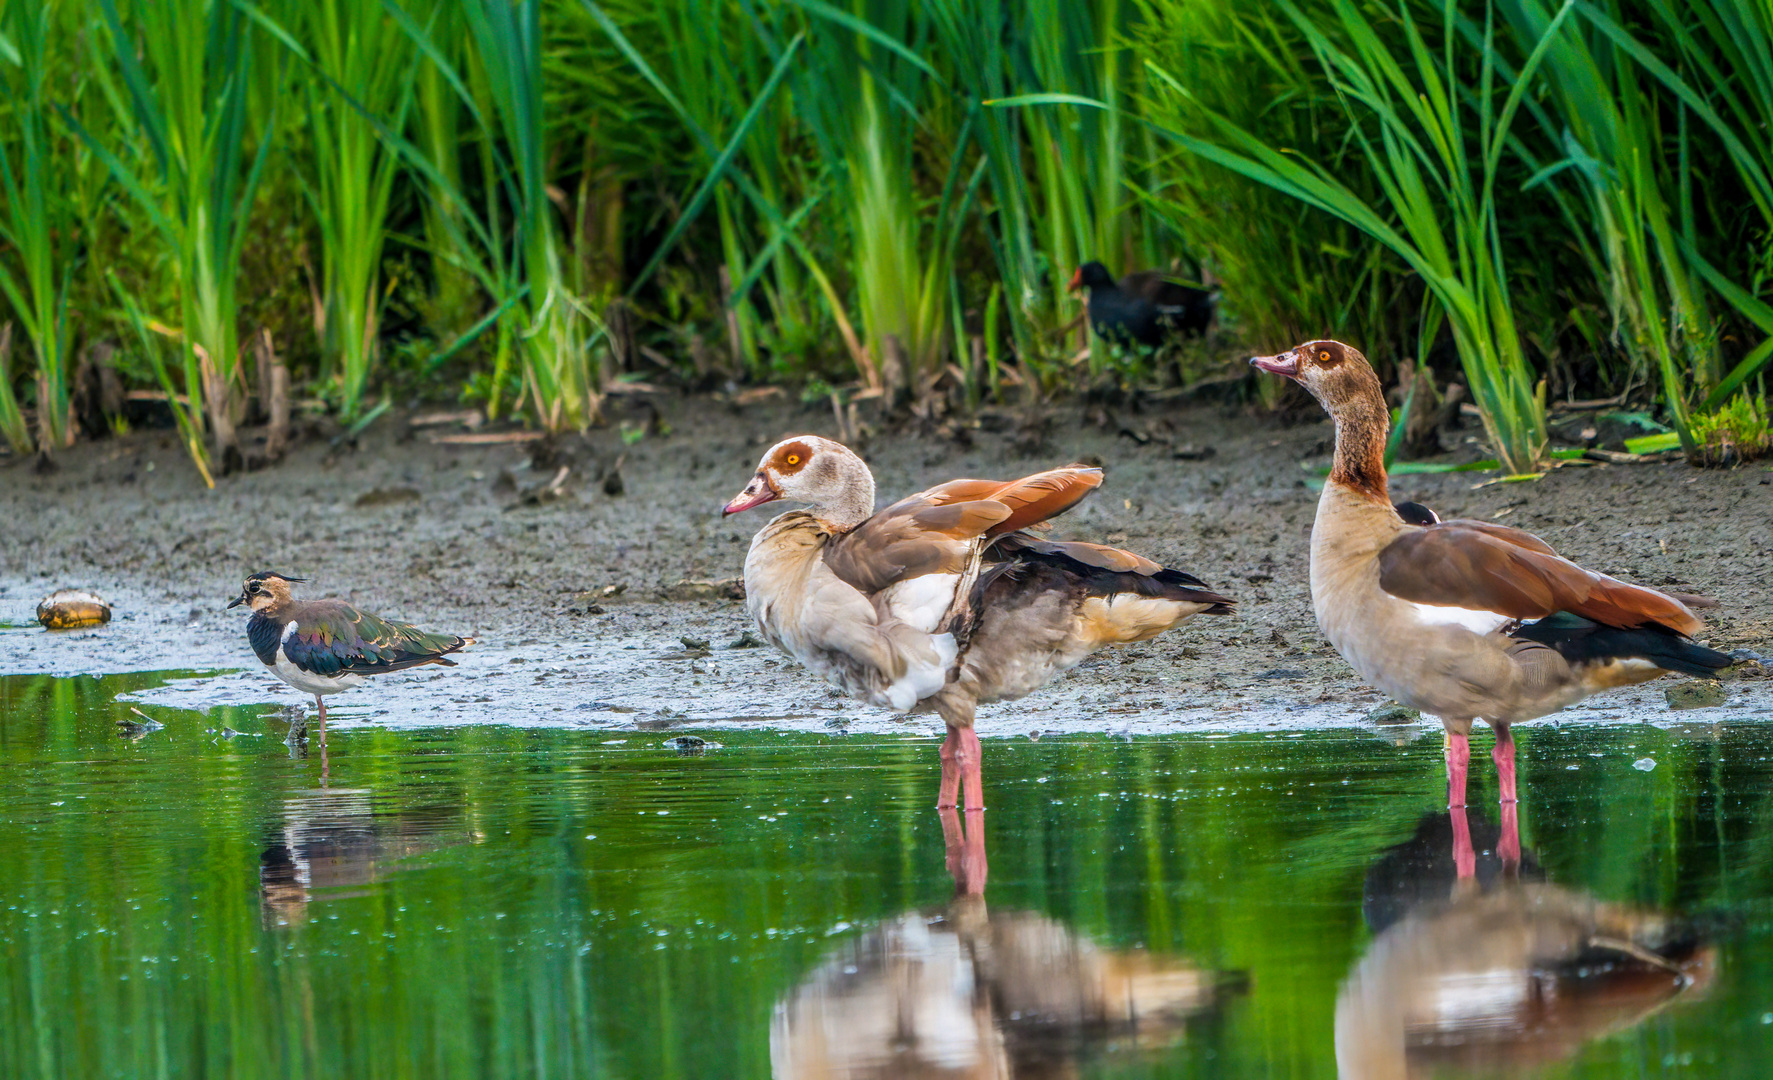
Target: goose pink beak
(1286, 364)
(756, 493)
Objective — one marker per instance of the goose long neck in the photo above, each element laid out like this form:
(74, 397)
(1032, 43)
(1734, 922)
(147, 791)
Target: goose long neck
(853, 502)
(1362, 425)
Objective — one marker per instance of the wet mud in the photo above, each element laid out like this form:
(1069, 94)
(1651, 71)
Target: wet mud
(602, 598)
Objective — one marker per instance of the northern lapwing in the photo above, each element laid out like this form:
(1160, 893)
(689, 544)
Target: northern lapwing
(323, 646)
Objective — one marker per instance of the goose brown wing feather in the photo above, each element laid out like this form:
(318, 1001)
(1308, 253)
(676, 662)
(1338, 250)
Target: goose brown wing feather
(1032, 499)
(1517, 537)
(1491, 568)
(911, 538)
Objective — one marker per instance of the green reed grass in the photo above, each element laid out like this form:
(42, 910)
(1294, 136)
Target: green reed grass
(36, 225)
(1414, 129)
(363, 63)
(1716, 60)
(815, 186)
(180, 150)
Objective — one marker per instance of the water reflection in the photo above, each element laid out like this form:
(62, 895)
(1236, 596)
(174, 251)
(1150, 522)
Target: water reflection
(1482, 965)
(332, 841)
(968, 992)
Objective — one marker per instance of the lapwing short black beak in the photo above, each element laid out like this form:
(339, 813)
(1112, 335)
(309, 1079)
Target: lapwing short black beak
(237, 601)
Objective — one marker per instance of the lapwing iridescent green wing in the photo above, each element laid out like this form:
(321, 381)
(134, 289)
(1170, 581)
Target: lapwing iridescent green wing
(323, 646)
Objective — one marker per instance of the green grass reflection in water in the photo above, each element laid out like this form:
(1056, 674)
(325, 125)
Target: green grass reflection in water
(501, 902)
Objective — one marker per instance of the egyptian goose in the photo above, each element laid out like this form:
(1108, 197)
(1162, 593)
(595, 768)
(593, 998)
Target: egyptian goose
(1461, 619)
(323, 646)
(1487, 965)
(941, 599)
(1143, 307)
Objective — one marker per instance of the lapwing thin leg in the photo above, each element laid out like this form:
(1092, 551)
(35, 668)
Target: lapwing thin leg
(1464, 855)
(1458, 763)
(321, 702)
(1503, 756)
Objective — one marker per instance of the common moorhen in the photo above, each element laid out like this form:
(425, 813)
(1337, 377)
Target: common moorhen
(1143, 307)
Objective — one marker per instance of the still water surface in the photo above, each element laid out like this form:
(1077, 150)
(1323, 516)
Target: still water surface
(486, 901)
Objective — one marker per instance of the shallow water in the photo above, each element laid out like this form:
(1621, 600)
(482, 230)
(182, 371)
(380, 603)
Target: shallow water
(497, 901)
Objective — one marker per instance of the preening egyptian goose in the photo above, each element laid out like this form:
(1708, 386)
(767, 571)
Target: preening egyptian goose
(323, 646)
(1465, 620)
(941, 600)
(1143, 307)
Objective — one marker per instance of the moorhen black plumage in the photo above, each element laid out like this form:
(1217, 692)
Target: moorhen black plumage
(1143, 307)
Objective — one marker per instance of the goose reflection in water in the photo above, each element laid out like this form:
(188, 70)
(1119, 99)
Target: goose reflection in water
(1481, 966)
(333, 839)
(970, 993)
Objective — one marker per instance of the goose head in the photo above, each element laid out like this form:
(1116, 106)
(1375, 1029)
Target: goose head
(1337, 375)
(825, 475)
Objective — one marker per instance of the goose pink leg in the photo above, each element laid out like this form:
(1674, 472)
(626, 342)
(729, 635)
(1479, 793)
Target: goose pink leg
(1458, 763)
(1508, 848)
(1464, 855)
(965, 851)
(960, 768)
(1503, 756)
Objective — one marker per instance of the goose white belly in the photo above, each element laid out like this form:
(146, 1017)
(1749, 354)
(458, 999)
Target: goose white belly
(805, 610)
(1446, 661)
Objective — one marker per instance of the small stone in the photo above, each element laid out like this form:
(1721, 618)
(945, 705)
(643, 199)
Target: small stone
(746, 640)
(694, 642)
(1695, 694)
(1393, 713)
(1644, 764)
(72, 609)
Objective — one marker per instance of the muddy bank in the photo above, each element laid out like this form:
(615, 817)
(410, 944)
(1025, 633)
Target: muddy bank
(569, 596)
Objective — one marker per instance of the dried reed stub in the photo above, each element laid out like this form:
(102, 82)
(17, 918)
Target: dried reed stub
(71, 609)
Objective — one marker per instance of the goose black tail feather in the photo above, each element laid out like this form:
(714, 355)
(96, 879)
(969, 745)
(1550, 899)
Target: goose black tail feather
(1028, 556)
(1580, 640)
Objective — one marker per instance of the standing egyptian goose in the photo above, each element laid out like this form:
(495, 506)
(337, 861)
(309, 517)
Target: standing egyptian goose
(1461, 619)
(323, 646)
(1143, 307)
(941, 599)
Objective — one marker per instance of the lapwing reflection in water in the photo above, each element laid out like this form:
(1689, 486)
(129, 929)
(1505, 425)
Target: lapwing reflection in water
(332, 843)
(1480, 966)
(967, 992)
